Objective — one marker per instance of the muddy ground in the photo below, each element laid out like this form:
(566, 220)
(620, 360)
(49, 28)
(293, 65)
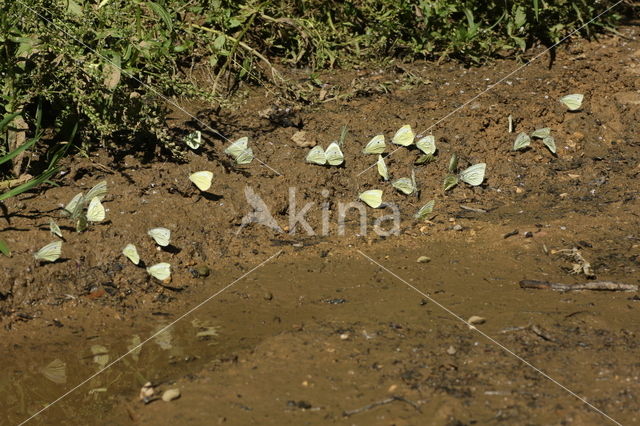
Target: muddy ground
(349, 328)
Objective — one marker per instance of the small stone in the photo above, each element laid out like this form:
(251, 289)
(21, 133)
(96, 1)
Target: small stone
(203, 271)
(423, 259)
(301, 139)
(268, 296)
(170, 395)
(451, 350)
(344, 336)
(147, 391)
(473, 320)
(392, 388)
(528, 234)
(457, 227)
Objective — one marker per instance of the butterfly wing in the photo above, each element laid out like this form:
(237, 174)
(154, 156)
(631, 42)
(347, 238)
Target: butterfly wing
(317, 156)
(404, 136)
(245, 157)
(49, 253)
(99, 190)
(573, 102)
(334, 154)
(382, 168)
(161, 236)
(404, 185)
(238, 147)
(160, 271)
(372, 198)
(375, 145)
(427, 145)
(522, 141)
(474, 175)
(95, 211)
(131, 253)
(202, 179)
(425, 210)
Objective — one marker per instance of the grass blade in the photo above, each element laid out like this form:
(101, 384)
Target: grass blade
(4, 248)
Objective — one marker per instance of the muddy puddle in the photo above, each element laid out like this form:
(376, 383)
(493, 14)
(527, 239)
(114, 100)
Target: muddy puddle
(341, 325)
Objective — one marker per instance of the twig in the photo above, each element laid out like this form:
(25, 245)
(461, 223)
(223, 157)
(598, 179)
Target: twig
(593, 285)
(379, 403)
(11, 183)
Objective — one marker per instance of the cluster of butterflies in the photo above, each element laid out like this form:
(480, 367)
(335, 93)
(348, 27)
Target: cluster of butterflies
(84, 208)
(405, 136)
(238, 150)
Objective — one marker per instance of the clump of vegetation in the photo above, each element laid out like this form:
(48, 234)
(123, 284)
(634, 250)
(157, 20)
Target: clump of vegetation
(110, 66)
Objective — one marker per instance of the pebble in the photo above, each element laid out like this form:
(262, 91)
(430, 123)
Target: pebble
(423, 259)
(457, 227)
(451, 350)
(475, 320)
(170, 395)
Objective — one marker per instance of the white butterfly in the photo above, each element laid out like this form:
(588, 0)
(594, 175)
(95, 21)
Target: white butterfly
(427, 144)
(334, 154)
(473, 175)
(161, 271)
(54, 228)
(202, 179)
(245, 157)
(131, 253)
(317, 156)
(522, 141)
(99, 190)
(541, 133)
(573, 102)
(95, 211)
(50, 252)
(236, 148)
(162, 236)
(375, 145)
(372, 197)
(382, 168)
(404, 136)
(74, 207)
(550, 143)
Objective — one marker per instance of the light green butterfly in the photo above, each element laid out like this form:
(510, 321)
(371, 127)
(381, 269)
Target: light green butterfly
(317, 156)
(404, 136)
(50, 252)
(425, 159)
(334, 154)
(54, 228)
(99, 190)
(160, 271)
(201, 179)
(453, 163)
(449, 182)
(238, 147)
(194, 140)
(550, 143)
(95, 211)
(375, 145)
(162, 236)
(522, 141)
(473, 175)
(425, 210)
(245, 157)
(404, 185)
(573, 102)
(131, 253)
(382, 168)
(75, 206)
(427, 145)
(372, 198)
(541, 133)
